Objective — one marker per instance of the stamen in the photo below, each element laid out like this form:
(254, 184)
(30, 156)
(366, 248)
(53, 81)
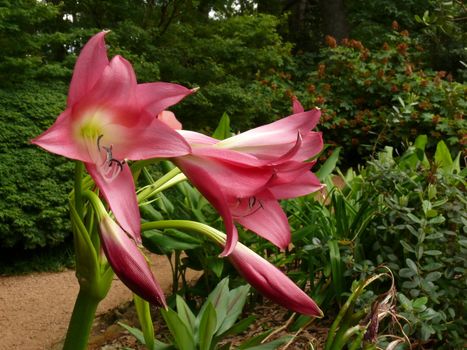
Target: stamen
(119, 163)
(109, 167)
(98, 142)
(249, 208)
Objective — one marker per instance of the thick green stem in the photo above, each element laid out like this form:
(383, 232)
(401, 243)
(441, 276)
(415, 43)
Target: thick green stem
(81, 322)
(212, 233)
(78, 188)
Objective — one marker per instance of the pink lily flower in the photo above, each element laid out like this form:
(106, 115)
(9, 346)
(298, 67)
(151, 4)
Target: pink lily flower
(109, 119)
(272, 282)
(276, 152)
(128, 263)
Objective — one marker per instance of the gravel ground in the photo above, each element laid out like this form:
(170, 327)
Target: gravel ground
(35, 309)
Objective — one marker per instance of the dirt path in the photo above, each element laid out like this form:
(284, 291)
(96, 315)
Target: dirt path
(35, 309)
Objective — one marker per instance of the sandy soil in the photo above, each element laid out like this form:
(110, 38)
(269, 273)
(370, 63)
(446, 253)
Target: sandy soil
(35, 309)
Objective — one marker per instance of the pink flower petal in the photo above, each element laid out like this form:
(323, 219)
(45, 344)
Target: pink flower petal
(128, 263)
(121, 196)
(169, 119)
(156, 97)
(154, 141)
(88, 69)
(264, 216)
(210, 188)
(271, 282)
(312, 144)
(303, 183)
(115, 89)
(59, 139)
(237, 180)
(297, 106)
(195, 139)
(228, 156)
(267, 141)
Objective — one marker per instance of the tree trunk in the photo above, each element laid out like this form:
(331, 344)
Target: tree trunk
(334, 19)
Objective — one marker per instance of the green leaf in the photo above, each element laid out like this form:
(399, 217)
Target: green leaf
(150, 213)
(219, 299)
(158, 345)
(336, 266)
(433, 276)
(238, 327)
(236, 302)
(134, 332)
(405, 302)
(272, 345)
(256, 340)
(144, 316)
(407, 246)
(185, 313)
(406, 272)
(207, 327)
(417, 303)
(329, 165)
(216, 265)
(443, 157)
(164, 243)
(432, 266)
(433, 252)
(164, 204)
(222, 131)
(183, 337)
(411, 265)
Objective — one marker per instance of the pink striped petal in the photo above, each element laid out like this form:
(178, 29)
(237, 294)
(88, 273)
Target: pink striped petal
(128, 263)
(267, 141)
(195, 139)
(271, 282)
(264, 216)
(121, 196)
(228, 156)
(156, 97)
(89, 67)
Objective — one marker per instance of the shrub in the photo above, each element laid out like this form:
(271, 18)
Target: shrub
(406, 213)
(421, 236)
(33, 184)
(384, 96)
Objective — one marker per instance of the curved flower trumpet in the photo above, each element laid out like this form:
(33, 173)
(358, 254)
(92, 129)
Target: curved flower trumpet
(272, 282)
(129, 263)
(110, 118)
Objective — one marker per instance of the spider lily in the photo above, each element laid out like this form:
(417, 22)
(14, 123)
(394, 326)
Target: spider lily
(272, 282)
(244, 176)
(109, 119)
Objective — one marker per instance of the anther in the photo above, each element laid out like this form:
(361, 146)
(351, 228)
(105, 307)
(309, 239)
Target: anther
(99, 142)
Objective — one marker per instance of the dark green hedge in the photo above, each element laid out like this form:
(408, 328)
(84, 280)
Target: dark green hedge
(33, 184)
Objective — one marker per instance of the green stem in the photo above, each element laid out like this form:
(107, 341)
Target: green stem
(161, 184)
(81, 322)
(216, 235)
(78, 188)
